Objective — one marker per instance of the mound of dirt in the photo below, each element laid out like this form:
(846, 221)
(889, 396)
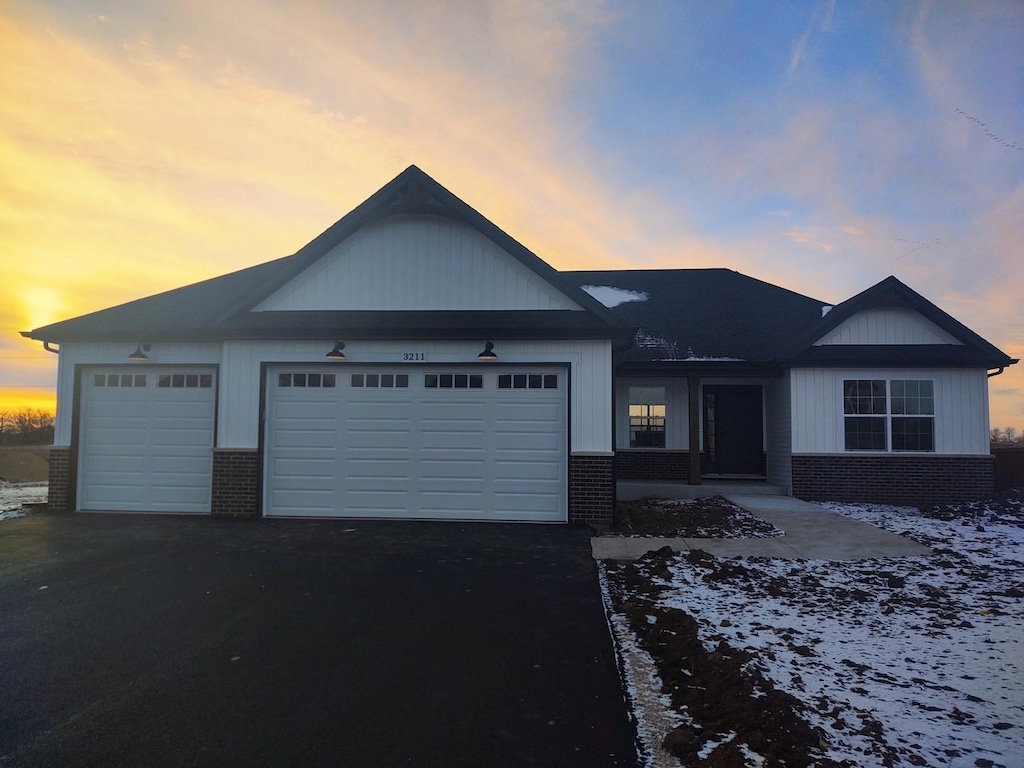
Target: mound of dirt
(710, 518)
(25, 464)
(727, 702)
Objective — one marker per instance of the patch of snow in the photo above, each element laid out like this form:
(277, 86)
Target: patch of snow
(612, 297)
(652, 710)
(711, 745)
(646, 340)
(14, 496)
(895, 659)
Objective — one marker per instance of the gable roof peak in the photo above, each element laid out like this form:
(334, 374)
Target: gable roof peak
(894, 293)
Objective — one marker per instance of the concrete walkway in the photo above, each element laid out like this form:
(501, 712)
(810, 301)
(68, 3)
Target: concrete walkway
(812, 533)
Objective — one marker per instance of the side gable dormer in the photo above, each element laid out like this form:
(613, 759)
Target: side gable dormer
(891, 324)
(887, 325)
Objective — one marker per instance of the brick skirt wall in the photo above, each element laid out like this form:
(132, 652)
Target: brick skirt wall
(236, 482)
(893, 478)
(59, 495)
(652, 465)
(591, 489)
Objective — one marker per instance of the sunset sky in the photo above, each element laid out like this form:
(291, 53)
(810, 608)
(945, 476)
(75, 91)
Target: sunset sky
(818, 145)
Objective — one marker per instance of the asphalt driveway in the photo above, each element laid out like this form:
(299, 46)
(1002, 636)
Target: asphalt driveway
(157, 640)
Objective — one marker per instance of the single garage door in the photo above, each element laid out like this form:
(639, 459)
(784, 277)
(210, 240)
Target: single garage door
(428, 443)
(146, 439)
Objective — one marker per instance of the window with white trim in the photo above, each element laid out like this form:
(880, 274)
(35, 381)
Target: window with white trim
(528, 381)
(119, 380)
(306, 380)
(889, 415)
(647, 417)
(453, 381)
(185, 381)
(380, 380)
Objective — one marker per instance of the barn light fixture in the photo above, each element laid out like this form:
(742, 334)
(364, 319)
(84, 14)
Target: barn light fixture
(336, 353)
(488, 353)
(140, 352)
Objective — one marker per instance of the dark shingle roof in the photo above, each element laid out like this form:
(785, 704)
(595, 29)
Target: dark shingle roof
(972, 351)
(716, 313)
(221, 308)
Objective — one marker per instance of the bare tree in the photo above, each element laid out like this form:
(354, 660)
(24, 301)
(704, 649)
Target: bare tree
(26, 426)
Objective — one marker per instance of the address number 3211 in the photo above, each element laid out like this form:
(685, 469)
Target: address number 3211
(414, 357)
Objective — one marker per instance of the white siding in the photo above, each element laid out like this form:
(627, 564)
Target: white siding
(961, 407)
(589, 370)
(778, 431)
(417, 263)
(887, 326)
(116, 353)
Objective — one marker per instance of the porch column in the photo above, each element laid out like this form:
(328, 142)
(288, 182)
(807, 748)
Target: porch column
(693, 390)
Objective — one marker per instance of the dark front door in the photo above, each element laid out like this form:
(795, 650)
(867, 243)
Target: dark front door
(733, 432)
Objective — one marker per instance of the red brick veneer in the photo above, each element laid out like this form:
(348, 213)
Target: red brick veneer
(236, 482)
(591, 489)
(59, 494)
(652, 465)
(893, 478)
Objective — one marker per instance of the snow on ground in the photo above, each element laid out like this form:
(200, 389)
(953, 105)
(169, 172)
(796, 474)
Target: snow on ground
(13, 496)
(652, 709)
(899, 661)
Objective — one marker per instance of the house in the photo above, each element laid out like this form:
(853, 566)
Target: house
(414, 360)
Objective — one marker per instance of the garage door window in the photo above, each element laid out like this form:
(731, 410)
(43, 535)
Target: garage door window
(380, 380)
(306, 380)
(184, 381)
(528, 381)
(119, 380)
(453, 381)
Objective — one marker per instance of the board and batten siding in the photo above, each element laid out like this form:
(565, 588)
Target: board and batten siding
(961, 407)
(74, 354)
(417, 263)
(887, 326)
(778, 437)
(589, 363)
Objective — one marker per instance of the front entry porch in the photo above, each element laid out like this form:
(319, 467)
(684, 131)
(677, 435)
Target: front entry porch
(632, 490)
(659, 418)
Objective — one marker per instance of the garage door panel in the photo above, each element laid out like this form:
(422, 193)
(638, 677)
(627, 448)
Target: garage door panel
(304, 468)
(419, 451)
(114, 436)
(304, 502)
(145, 447)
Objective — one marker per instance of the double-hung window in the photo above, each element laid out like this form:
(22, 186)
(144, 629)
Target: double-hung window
(646, 417)
(889, 414)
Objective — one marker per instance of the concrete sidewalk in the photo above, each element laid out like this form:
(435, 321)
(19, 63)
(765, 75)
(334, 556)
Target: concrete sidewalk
(811, 533)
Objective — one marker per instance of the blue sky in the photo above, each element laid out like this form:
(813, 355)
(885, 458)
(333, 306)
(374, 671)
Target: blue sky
(818, 145)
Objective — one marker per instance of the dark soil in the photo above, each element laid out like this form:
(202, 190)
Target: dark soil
(714, 686)
(718, 692)
(711, 518)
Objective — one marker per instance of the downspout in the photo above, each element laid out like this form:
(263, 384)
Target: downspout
(1003, 368)
(48, 348)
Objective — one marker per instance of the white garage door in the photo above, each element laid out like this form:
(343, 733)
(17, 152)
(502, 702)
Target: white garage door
(427, 443)
(146, 439)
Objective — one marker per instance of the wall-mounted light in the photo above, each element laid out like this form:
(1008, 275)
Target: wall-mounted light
(488, 353)
(140, 352)
(336, 353)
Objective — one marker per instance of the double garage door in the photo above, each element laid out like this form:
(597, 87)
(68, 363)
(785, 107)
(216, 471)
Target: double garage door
(416, 442)
(146, 439)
